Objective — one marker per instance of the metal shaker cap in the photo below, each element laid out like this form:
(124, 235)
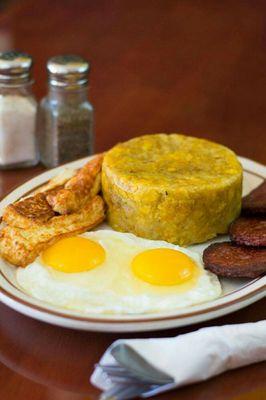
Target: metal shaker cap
(15, 67)
(68, 71)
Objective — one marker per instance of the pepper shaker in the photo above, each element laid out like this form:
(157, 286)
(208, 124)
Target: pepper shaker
(18, 111)
(66, 115)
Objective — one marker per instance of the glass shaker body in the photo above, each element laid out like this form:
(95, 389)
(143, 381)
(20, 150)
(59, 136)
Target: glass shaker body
(18, 112)
(65, 126)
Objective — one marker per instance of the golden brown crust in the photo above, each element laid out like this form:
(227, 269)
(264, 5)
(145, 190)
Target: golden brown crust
(31, 210)
(21, 246)
(79, 189)
(61, 195)
(23, 213)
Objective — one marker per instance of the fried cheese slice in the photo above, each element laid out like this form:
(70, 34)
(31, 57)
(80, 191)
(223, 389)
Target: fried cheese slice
(31, 210)
(21, 246)
(79, 189)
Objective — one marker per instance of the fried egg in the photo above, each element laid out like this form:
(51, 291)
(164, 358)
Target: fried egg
(118, 273)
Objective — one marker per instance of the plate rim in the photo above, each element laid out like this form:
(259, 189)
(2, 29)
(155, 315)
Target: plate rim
(8, 297)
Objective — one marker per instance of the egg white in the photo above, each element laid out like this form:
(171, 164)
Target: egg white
(112, 287)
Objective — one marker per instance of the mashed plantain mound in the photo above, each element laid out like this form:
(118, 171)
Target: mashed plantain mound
(172, 187)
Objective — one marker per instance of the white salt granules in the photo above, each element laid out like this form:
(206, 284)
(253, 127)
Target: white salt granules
(17, 129)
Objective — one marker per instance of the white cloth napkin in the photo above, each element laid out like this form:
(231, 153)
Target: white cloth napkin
(188, 358)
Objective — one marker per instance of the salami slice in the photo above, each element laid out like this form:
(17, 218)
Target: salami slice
(249, 231)
(255, 202)
(230, 260)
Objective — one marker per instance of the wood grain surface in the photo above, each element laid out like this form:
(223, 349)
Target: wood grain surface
(196, 67)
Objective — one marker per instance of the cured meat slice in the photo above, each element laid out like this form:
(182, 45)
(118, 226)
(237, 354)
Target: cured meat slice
(255, 201)
(249, 231)
(230, 260)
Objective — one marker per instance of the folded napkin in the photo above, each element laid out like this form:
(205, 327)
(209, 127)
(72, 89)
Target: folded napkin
(145, 367)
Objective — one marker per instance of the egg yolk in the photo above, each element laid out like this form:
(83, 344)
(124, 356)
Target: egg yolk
(74, 254)
(163, 267)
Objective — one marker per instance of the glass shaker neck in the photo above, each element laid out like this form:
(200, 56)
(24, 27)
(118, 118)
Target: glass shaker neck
(66, 95)
(23, 89)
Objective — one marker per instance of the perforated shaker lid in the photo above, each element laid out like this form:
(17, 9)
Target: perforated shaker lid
(15, 67)
(68, 71)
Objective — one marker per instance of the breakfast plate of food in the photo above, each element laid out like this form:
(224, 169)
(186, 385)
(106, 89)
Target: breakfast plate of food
(161, 231)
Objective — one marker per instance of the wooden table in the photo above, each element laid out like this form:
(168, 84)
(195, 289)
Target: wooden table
(190, 66)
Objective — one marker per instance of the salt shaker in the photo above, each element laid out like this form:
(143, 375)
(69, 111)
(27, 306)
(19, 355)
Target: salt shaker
(66, 115)
(18, 111)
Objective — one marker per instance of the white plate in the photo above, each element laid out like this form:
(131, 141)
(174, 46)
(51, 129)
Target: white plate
(236, 293)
